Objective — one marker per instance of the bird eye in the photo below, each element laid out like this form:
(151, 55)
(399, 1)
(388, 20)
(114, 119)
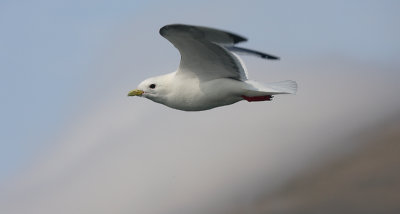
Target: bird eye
(152, 86)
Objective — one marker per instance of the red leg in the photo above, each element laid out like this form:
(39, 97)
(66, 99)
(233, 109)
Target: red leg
(258, 98)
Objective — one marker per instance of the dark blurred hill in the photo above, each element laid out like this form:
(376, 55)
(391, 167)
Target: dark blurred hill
(366, 180)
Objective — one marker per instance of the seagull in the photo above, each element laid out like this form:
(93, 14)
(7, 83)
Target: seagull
(210, 73)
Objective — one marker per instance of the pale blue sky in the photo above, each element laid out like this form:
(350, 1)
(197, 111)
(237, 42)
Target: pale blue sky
(46, 50)
(49, 50)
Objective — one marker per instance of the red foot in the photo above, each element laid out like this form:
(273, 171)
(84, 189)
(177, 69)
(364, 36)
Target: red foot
(259, 98)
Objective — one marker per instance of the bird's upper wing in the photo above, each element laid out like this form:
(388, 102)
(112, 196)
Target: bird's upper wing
(204, 53)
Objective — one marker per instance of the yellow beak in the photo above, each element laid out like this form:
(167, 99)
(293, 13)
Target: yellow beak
(135, 92)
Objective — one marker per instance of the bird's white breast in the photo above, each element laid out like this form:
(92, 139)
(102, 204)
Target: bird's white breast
(191, 94)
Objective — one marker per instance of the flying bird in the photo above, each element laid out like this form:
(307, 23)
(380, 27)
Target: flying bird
(210, 73)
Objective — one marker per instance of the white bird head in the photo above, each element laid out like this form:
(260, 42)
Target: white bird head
(153, 88)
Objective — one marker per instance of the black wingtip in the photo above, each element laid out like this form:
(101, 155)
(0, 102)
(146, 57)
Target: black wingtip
(236, 38)
(257, 53)
(164, 29)
(270, 57)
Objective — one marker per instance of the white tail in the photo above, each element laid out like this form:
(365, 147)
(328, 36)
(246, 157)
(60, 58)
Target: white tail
(258, 89)
(287, 86)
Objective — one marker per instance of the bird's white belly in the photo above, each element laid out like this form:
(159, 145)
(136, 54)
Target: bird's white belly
(193, 95)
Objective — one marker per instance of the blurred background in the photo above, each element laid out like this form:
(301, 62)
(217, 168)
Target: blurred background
(73, 142)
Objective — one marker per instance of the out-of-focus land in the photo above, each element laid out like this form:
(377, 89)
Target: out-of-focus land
(365, 180)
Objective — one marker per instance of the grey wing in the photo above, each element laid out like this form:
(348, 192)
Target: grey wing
(203, 51)
(206, 33)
